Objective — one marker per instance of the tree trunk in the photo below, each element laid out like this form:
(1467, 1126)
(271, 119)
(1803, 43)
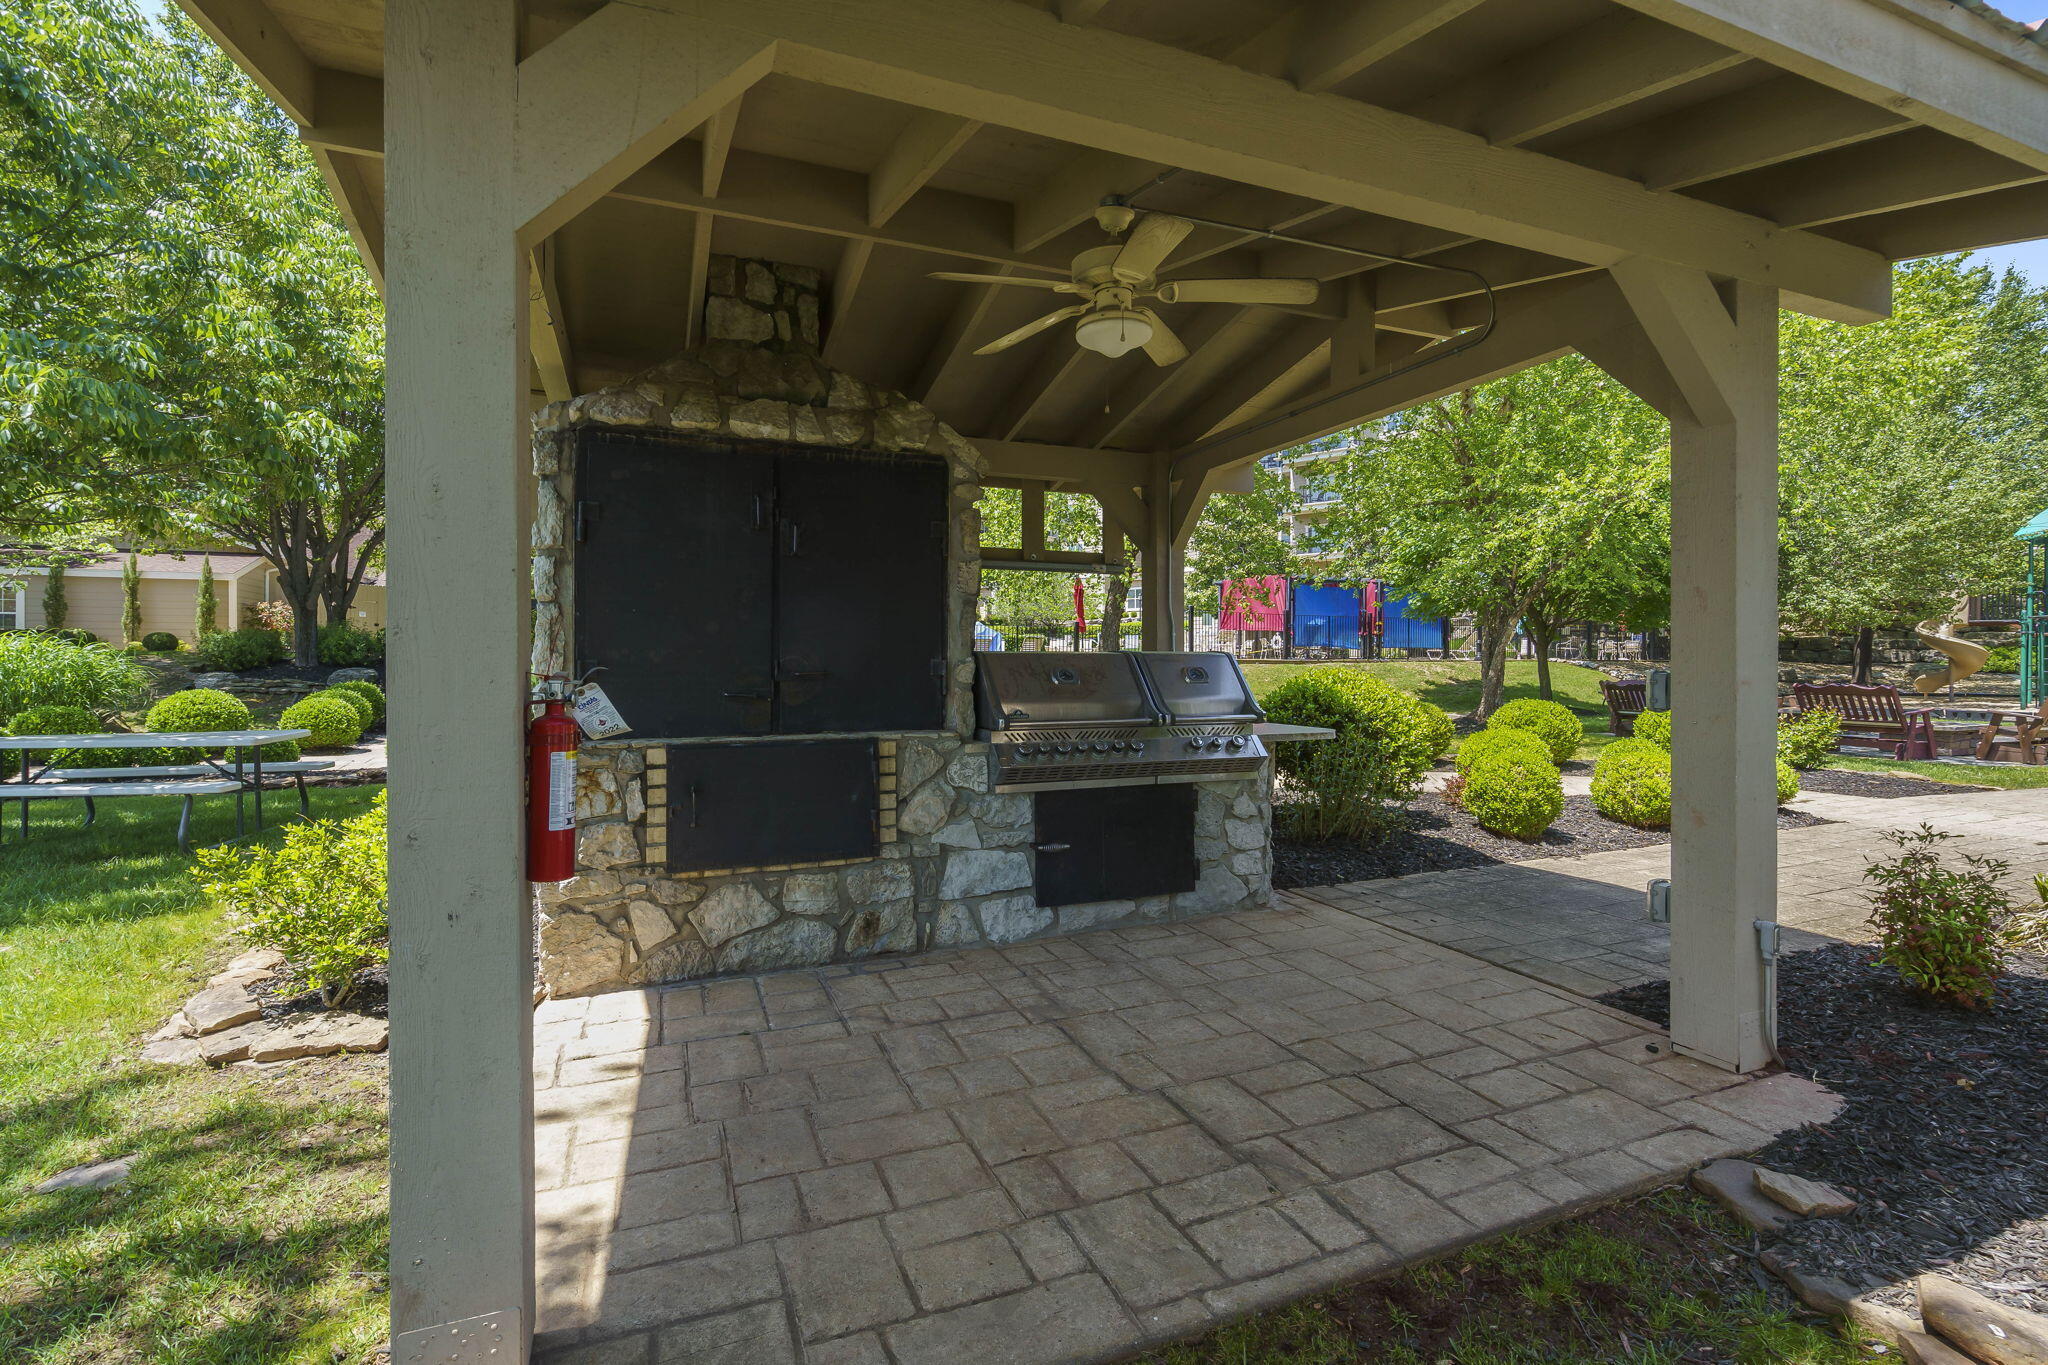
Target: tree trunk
(1866, 639)
(1494, 635)
(305, 627)
(1541, 634)
(1113, 612)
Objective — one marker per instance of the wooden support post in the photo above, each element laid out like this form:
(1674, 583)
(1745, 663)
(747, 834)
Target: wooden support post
(1164, 557)
(1719, 349)
(462, 1236)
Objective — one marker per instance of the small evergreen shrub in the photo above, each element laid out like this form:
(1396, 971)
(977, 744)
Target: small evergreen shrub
(131, 599)
(2004, 659)
(344, 646)
(1654, 727)
(335, 724)
(367, 690)
(237, 651)
(205, 602)
(360, 704)
(320, 898)
(1482, 745)
(77, 635)
(56, 607)
(1514, 794)
(133, 647)
(198, 708)
(1807, 739)
(160, 642)
(1550, 722)
(1788, 782)
(1938, 925)
(1385, 741)
(1632, 784)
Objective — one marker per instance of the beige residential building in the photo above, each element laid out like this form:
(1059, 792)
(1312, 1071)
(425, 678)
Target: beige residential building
(170, 593)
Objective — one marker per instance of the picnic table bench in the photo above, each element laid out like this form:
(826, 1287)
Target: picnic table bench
(242, 775)
(1625, 701)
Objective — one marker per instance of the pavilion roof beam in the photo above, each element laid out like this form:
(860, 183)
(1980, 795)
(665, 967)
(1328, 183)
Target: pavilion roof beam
(1780, 119)
(717, 146)
(1082, 11)
(1070, 195)
(548, 332)
(1215, 329)
(1593, 69)
(256, 40)
(951, 367)
(855, 256)
(1337, 39)
(697, 289)
(1291, 346)
(1881, 53)
(1999, 218)
(1906, 170)
(1056, 364)
(1063, 464)
(918, 154)
(365, 220)
(1009, 64)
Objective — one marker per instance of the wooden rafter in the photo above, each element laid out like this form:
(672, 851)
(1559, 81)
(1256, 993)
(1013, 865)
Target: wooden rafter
(546, 327)
(919, 153)
(717, 146)
(1337, 39)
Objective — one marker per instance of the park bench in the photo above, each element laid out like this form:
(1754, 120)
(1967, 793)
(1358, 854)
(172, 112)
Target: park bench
(1625, 701)
(1878, 712)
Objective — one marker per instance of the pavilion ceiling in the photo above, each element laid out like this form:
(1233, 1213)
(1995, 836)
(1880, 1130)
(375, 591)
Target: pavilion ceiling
(1702, 109)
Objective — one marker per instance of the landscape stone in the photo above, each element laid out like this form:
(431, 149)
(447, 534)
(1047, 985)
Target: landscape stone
(348, 675)
(731, 910)
(221, 1007)
(873, 882)
(1732, 1184)
(651, 925)
(1980, 1327)
(172, 1051)
(316, 1035)
(97, 1175)
(1807, 1198)
(979, 872)
(926, 810)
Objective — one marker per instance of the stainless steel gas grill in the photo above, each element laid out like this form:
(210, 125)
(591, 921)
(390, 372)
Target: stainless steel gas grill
(1057, 721)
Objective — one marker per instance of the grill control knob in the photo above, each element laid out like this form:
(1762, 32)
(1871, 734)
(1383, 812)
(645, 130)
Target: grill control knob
(1237, 741)
(1027, 751)
(1065, 749)
(1194, 744)
(1101, 748)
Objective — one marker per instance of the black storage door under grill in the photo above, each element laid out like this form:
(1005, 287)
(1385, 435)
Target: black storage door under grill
(1114, 843)
(764, 804)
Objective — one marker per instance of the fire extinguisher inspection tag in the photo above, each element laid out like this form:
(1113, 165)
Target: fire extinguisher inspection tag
(596, 714)
(562, 789)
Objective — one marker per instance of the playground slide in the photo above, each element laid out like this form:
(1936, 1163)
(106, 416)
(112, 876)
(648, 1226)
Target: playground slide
(1964, 658)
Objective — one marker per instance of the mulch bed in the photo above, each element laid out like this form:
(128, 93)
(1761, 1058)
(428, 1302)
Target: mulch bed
(1882, 786)
(371, 996)
(1441, 837)
(1941, 1137)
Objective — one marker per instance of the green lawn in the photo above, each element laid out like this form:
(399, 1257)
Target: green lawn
(1655, 1281)
(253, 1227)
(1454, 685)
(1963, 774)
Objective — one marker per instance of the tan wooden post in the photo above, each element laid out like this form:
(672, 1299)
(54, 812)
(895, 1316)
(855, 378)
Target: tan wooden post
(462, 964)
(1718, 347)
(1163, 561)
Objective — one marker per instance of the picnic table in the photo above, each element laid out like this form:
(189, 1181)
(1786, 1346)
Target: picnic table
(2029, 740)
(244, 778)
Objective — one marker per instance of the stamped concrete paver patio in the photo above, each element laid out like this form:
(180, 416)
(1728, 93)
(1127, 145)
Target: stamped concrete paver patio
(1578, 923)
(1063, 1150)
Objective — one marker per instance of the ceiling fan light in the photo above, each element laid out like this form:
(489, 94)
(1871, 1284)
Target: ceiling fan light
(1113, 332)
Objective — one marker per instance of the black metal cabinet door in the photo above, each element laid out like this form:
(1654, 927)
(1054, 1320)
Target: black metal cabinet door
(1113, 843)
(674, 581)
(861, 600)
(768, 803)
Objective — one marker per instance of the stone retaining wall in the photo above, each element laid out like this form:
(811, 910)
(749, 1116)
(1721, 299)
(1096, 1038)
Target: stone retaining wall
(955, 866)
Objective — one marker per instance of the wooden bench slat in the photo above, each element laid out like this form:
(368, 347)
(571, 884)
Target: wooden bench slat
(17, 791)
(303, 765)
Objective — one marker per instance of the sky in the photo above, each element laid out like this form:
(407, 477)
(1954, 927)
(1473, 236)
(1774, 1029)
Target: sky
(2029, 258)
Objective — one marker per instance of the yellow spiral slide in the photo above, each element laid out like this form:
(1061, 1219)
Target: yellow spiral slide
(1964, 658)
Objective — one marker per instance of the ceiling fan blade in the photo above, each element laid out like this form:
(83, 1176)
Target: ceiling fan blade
(1164, 348)
(1032, 281)
(1239, 291)
(1151, 239)
(1032, 329)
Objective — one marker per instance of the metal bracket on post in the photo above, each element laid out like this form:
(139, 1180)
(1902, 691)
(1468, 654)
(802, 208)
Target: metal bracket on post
(1767, 939)
(487, 1339)
(1658, 910)
(1659, 697)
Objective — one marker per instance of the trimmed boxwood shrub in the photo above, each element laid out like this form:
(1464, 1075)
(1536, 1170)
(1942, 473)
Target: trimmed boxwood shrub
(1514, 794)
(368, 691)
(199, 708)
(1808, 739)
(160, 642)
(1788, 782)
(1385, 741)
(1550, 722)
(1632, 784)
(335, 723)
(1482, 745)
(1654, 727)
(360, 704)
(237, 651)
(76, 720)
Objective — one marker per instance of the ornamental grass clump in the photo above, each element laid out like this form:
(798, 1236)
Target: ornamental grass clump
(1807, 739)
(1560, 730)
(76, 720)
(52, 670)
(1514, 794)
(320, 898)
(1939, 926)
(1632, 784)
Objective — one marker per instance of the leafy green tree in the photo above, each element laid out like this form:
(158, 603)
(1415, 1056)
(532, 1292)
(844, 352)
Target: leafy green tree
(131, 599)
(206, 609)
(1244, 535)
(1543, 494)
(1010, 597)
(56, 610)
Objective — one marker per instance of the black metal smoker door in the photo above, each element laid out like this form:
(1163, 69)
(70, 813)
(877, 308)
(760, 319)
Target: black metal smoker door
(674, 580)
(1114, 843)
(860, 633)
(771, 802)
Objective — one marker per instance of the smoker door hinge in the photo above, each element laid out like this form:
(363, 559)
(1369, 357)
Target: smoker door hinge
(938, 668)
(586, 512)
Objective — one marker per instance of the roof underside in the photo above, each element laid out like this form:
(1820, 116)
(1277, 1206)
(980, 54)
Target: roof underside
(1683, 98)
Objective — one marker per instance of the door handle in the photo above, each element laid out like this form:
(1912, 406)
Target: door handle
(1053, 848)
(750, 696)
(693, 806)
(794, 542)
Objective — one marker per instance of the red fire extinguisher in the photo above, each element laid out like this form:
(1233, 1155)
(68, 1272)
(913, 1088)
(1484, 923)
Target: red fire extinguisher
(551, 786)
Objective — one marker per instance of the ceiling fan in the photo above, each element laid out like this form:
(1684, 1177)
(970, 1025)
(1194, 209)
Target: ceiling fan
(1113, 278)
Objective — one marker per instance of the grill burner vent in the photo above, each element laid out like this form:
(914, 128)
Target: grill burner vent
(1068, 720)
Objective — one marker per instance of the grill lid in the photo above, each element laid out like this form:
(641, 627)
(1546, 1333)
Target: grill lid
(1027, 689)
(1198, 686)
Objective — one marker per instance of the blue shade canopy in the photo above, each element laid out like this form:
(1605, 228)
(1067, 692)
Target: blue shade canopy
(2037, 529)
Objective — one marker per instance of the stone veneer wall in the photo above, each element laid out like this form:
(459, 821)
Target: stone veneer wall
(955, 866)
